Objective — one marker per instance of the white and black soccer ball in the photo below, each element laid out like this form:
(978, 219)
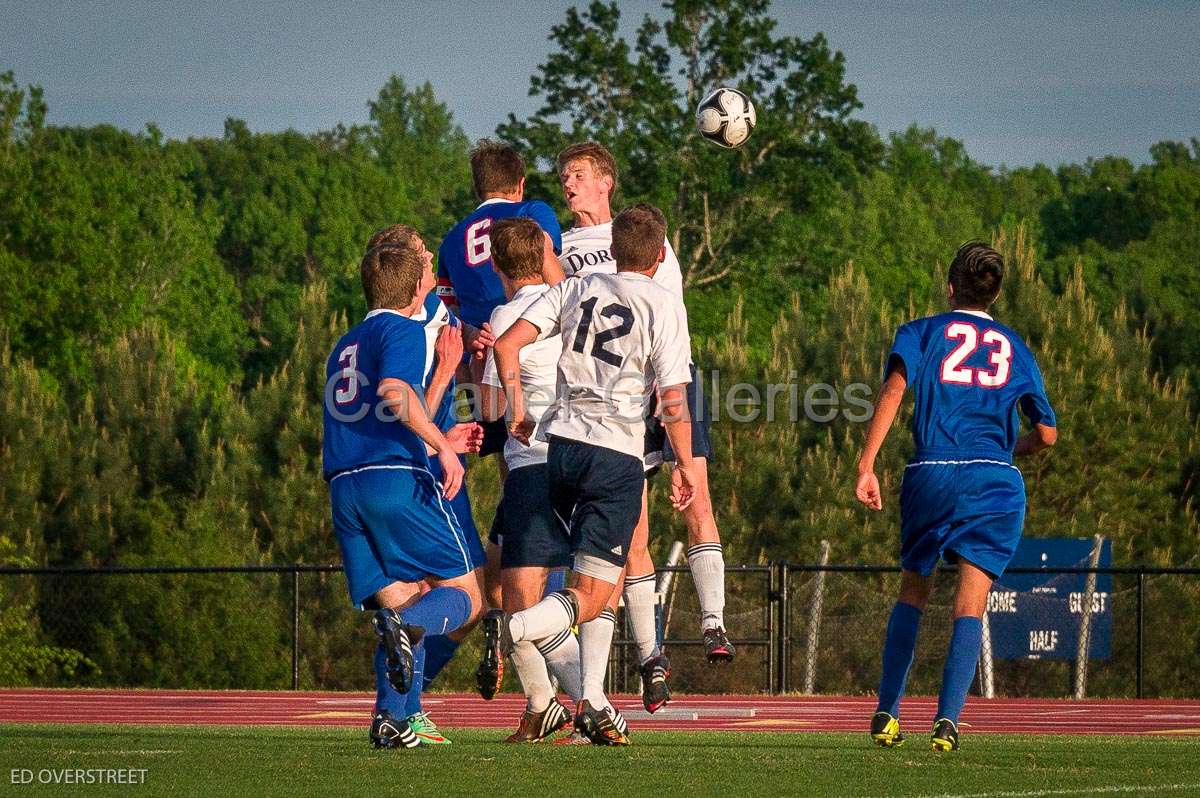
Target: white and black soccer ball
(726, 117)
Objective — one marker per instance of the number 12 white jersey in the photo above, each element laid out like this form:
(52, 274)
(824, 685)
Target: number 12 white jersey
(621, 333)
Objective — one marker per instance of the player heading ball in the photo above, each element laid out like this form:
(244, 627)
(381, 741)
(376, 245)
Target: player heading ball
(612, 325)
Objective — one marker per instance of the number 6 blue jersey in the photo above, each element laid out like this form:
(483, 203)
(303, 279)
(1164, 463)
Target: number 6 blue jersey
(466, 280)
(969, 374)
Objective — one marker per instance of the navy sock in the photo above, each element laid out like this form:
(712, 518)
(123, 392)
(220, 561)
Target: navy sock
(555, 580)
(439, 611)
(960, 667)
(898, 650)
(412, 699)
(386, 697)
(438, 651)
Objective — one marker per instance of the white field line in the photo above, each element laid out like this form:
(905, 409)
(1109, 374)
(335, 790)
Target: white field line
(1126, 789)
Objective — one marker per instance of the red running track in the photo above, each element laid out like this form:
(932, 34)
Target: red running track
(725, 713)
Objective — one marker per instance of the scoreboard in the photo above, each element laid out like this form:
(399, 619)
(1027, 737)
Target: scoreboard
(1038, 615)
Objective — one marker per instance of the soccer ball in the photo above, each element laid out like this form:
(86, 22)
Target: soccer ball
(726, 117)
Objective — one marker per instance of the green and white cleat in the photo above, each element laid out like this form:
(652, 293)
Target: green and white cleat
(885, 730)
(426, 730)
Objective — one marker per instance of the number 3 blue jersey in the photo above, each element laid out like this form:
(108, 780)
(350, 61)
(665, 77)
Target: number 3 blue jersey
(358, 430)
(970, 374)
(466, 280)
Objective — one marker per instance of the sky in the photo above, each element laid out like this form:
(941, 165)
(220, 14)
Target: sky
(1018, 82)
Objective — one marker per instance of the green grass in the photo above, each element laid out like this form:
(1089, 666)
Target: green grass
(261, 762)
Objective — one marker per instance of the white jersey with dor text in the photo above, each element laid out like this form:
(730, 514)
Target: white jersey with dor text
(539, 364)
(621, 333)
(586, 250)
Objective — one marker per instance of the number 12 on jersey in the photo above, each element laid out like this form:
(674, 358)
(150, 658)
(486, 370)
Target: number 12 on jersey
(614, 310)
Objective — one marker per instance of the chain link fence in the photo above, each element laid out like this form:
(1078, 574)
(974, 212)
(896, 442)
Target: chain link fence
(798, 628)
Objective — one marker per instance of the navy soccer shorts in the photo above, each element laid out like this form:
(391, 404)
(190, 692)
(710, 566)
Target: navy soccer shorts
(658, 445)
(597, 492)
(393, 525)
(529, 532)
(971, 509)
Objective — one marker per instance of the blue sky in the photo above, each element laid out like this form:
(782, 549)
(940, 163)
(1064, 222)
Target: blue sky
(1018, 82)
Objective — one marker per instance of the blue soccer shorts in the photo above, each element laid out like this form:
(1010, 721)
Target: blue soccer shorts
(970, 509)
(393, 525)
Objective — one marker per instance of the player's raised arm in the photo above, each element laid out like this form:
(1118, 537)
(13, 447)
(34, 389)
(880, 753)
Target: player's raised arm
(508, 366)
(890, 396)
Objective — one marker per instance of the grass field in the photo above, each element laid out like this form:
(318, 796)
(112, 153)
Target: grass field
(287, 761)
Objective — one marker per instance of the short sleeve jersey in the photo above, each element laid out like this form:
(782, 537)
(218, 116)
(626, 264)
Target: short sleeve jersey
(466, 280)
(434, 316)
(358, 430)
(589, 249)
(539, 369)
(970, 375)
(621, 333)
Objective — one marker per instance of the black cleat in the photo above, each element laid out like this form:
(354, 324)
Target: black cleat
(655, 693)
(537, 726)
(398, 640)
(885, 730)
(945, 735)
(497, 644)
(387, 732)
(598, 725)
(717, 647)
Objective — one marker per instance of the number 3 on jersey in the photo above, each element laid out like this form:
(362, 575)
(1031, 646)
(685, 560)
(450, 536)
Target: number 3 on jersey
(611, 311)
(967, 335)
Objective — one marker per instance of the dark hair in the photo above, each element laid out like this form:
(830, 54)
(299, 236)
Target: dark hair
(975, 275)
(638, 233)
(602, 161)
(390, 275)
(518, 245)
(496, 168)
(394, 234)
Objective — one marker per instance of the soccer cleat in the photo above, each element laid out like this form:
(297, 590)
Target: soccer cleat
(717, 647)
(398, 639)
(574, 738)
(497, 645)
(387, 732)
(655, 693)
(618, 720)
(426, 730)
(598, 725)
(945, 735)
(885, 730)
(537, 726)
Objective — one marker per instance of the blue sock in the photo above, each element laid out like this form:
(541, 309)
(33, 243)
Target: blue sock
(898, 650)
(386, 697)
(439, 611)
(960, 667)
(555, 580)
(412, 699)
(438, 651)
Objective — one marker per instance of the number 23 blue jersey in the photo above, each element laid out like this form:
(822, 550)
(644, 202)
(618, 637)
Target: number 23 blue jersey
(969, 374)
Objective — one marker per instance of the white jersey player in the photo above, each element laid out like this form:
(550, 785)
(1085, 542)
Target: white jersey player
(620, 333)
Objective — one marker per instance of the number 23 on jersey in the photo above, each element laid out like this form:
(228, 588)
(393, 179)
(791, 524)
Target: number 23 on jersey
(968, 337)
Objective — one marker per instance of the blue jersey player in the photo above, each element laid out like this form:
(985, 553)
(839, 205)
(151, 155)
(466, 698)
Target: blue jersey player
(961, 498)
(404, 553)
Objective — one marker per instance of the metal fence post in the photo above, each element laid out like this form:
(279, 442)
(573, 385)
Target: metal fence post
(1141, 629)
(814, 623)
(295, 629)
(785, 629)
(772, 619)
(987, 672)
(1085, 621)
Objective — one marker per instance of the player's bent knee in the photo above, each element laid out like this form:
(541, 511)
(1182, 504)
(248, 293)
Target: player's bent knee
(596, 568)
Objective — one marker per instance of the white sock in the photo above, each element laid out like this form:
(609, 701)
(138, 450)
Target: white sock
(708, 572)
(640, 603)
(595, 643)
(545, 619)
(562, 658)
(535, 679)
